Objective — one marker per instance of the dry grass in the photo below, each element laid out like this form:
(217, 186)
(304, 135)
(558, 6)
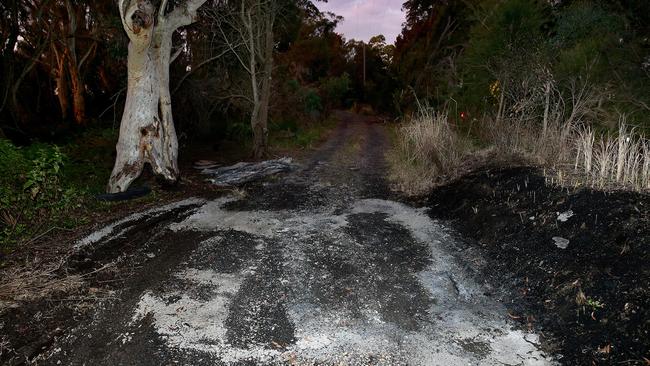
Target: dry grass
(620, 161)
(35, 281)
(526, 139)
(24, 283)
(428, 152)
(4, 345)
(575, 155)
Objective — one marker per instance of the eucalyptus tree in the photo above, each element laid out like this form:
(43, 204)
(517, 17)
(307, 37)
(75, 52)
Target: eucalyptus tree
(147, 132)
(246, 27)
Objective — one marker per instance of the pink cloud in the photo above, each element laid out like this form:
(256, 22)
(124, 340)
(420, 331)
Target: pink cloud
(367, 18)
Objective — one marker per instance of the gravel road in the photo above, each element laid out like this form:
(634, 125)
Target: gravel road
(323, 266)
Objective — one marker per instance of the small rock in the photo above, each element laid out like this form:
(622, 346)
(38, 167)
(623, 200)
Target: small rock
(561, 243)
(564, 216)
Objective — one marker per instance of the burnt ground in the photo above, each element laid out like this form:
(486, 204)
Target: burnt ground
(322, 266)
(593, 297)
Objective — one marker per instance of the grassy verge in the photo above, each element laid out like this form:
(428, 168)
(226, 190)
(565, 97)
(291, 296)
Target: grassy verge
(291, 135)
(430, 151)
(48, 189)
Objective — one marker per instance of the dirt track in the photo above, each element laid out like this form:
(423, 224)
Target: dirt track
(322, 266)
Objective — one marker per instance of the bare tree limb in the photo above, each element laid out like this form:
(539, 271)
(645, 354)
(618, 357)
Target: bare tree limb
(203, 63)
(91, 49)
(175, 55)
(161, 10)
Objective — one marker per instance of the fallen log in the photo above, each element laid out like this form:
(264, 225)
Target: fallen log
(243, 172)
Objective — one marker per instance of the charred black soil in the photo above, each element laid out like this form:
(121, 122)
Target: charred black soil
(593, 297)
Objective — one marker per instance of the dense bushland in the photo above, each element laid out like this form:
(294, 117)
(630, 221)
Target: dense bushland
(563, 85)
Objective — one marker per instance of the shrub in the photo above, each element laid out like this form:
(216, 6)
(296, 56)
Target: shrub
(239, 130)
(501, 47)
(429, 151)
(335, 89)
(312, 102)
(33, 188)
(13, 165)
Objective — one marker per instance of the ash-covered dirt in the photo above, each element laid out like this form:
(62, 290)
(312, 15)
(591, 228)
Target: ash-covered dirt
(593, 297)
(319, 267)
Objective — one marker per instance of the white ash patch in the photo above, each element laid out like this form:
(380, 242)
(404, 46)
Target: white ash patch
(108, 230)
(267, 224)
(464, 326)
(415, 220)
(191, 324)
(460, 311)
(330, 337)
(212, 216)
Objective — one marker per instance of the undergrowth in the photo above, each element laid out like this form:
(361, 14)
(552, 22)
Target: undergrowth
(431, 151)
(46, 187)
(288, 134)
(33, 190)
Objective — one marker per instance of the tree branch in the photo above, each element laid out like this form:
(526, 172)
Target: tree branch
(232, 48)
(88, 53)
(184, 14)
(161, 11)
(175, 55)
(137, 16)
(205, 62)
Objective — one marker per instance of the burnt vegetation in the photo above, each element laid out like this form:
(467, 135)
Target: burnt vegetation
(523, 123)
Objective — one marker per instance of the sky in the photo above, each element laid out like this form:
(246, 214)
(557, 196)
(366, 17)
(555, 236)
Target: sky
(367, 18)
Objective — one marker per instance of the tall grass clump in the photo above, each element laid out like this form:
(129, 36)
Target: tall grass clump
(621, 160)
(525, 138)
(554, 131)
(429, 151)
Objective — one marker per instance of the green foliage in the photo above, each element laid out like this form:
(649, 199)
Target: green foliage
(14, 165)
(587, 38)
(335, 89)
(502, 46)
(291, 134)
(239, 130)
(286, 125)
(90, 159)
(582, 20)
(519, 46)
(426, 53)
(33, 186)
(293, 85)
(312, 102)
(43, 180)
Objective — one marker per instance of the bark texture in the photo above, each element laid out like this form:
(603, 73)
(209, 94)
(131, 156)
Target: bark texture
(147, 133)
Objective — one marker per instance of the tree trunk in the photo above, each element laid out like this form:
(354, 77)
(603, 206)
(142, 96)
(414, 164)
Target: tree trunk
(77, 88)
(70, 53)
(8, 60)
(62, 93)
(61, 82)
(147, 133)
(142, 135)
(260, 126)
